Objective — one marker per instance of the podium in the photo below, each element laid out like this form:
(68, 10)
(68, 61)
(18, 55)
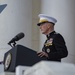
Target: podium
(20, 55)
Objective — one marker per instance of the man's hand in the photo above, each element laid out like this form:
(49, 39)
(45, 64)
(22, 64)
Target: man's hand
(41, 54)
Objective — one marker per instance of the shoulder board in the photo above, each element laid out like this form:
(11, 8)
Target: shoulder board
(56, 33)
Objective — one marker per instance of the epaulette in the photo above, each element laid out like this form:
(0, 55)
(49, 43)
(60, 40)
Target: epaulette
(56, 33)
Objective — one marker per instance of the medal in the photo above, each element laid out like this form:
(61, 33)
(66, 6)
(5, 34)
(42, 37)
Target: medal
(51, 40)
(48, 50)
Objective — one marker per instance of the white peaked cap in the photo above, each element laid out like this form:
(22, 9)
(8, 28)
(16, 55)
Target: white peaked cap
(46, 18)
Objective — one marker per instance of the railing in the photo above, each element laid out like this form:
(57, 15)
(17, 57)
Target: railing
(21, 69)
(47, 68)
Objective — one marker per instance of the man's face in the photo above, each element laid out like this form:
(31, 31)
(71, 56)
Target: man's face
(44, 28)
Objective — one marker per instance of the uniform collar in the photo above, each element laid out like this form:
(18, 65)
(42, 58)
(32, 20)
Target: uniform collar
(48, 36)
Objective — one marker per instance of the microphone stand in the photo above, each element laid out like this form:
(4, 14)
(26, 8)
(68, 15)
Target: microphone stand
(14, 44)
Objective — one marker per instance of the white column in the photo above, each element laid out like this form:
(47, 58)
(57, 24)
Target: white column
(64, 12)
(15, 18)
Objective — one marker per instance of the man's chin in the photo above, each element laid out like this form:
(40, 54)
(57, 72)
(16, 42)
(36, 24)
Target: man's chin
(43, 32)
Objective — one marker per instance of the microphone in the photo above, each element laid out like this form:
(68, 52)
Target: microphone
(16, 38)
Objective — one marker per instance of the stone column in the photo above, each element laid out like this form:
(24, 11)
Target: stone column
(15, 18)
(64, 12)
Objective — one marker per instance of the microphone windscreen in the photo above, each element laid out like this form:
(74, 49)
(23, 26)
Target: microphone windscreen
(19, 36)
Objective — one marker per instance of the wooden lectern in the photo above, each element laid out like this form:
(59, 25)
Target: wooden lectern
(20, 55)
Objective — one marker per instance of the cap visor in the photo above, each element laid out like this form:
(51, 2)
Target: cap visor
(38, 24)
